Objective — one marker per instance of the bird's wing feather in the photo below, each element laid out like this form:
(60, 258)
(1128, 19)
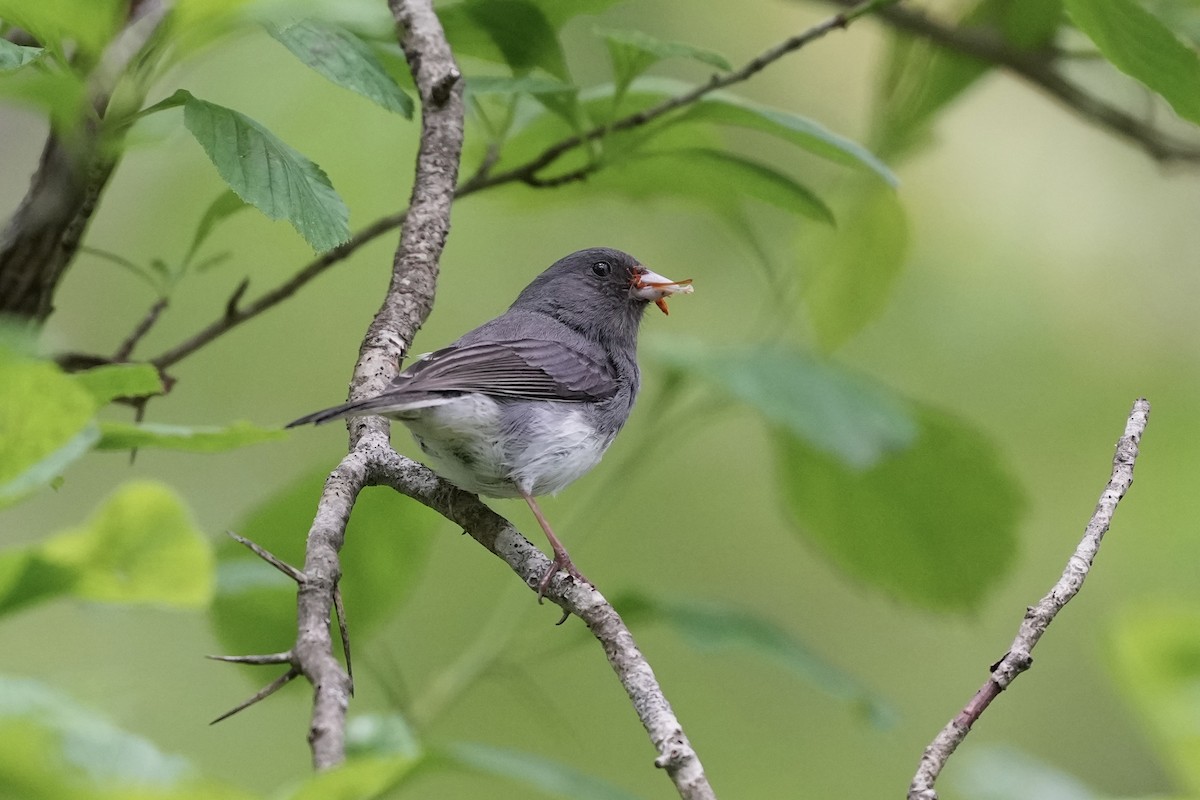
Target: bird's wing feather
(530, 369)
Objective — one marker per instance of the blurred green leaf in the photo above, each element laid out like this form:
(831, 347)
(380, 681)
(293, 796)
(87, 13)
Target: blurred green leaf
(513, 32)
(993, 772)
(633, 52)
(850, 419)
(852, 269)
(711, 626)
(110, 381)
(548, 777)
(26, 578)
(266, 172)
(933, 524)
(357, 779)
(53, 749)
(526, 84)
(1141, 46)
(921, 78)
(716, 177)
(223, 206)
(387, 543)
(58, 93)
(381, 735)
(45, 423)
(1156, 651)
(15, 56)
(344, 59)
(89, 24)
(140, 546)
(128, 435)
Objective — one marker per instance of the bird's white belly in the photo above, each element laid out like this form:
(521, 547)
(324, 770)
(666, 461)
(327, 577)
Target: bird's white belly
(474, 444)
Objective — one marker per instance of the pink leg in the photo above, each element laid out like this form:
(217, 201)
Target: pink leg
(561, 559)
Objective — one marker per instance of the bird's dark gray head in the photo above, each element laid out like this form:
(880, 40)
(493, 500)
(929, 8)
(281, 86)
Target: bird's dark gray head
(598, 291)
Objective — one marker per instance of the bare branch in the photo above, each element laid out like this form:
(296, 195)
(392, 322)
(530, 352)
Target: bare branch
(262, 694)
(1038, 69)
(1038, 617)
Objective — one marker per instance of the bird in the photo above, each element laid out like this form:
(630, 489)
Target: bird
(529, 402)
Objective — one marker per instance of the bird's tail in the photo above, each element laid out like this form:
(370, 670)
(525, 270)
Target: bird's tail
(385, 404)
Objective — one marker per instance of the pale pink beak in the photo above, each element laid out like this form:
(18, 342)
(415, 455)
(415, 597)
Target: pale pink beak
(655, 288)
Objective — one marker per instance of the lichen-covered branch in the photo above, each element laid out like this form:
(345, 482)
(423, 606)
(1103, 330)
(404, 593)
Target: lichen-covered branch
(1038, 617)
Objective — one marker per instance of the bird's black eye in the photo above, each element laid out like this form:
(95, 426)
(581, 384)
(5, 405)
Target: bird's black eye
(601, 269)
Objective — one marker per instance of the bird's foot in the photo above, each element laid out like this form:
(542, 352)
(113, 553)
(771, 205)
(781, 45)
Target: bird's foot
(559, 562)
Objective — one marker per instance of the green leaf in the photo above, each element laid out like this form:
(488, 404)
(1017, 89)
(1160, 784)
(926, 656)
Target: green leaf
(267, 173)
(358, 779)
(717, 626)
(513, 32)
(127, 435)
(89, 24)
(633, 52)
(345, 60)
(26, 578)
(548, 777)
(223, 206)
(716, 176)
(852, 269)
(107, 383)
(54, 749)
(141, 546)
(387, 543)
(1141, 46)
(57, 93)
(45, 423)
(526, 84)
(1156, 650)
(920, 78)
(996, 772)
(848, 418)
(381, 735)
(933, 525)
(15, 56)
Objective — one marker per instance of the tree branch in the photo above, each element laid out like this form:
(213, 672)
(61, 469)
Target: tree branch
(1038, 69)
(43, 235)
(1038, 617)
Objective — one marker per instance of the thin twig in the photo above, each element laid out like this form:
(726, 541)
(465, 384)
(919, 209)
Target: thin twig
(1038, 69)
(524, 173)
(269, 557)
(1038, 617)
(262, 694)
(126, 349)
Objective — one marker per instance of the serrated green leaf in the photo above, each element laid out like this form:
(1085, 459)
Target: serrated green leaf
(548, 777)
(268, 174)
(107, 383)
(513, 32)
(848, 418)
(15, 56)
(633, 52)
(128, 435)
(387, 543)
(223, 206)
(852, 269)
(345, 60)
(45, 423)
(933, 525)
(718, 626)
(1156, 650)
(1141, 46)
(140, 546)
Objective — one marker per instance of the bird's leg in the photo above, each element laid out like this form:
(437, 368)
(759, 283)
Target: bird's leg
(561, 558)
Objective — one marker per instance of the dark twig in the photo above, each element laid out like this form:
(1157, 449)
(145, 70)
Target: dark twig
(152, 315)
(1038, 69)
(1038, 617)
(344, 630)
(262, 694)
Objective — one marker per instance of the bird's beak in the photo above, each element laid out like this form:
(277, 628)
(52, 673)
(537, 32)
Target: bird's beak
(652, 287)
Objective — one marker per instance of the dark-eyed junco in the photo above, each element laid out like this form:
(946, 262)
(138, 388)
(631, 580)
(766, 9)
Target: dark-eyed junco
(527, 403)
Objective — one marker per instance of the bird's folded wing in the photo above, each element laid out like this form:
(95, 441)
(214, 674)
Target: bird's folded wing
(530, 369)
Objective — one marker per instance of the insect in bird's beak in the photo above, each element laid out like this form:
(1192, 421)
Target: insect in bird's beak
(651, 286)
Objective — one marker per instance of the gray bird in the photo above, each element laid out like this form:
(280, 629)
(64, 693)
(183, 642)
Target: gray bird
(527, 403)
